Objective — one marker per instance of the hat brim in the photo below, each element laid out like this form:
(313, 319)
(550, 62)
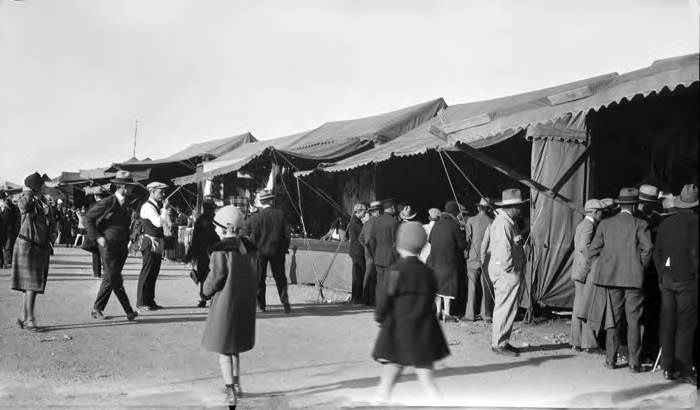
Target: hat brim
(503, 204)
(122, 182)
(626, 201)
(684, 205)
(264, 197)
(408, 217)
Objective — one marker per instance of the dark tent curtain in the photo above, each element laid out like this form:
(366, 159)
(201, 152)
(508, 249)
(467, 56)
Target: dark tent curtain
(555, 147)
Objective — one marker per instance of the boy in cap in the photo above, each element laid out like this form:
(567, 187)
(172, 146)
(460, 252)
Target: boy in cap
(410, 334)
(231, 285)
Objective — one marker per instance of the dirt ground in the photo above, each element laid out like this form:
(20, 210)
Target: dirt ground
(316, 357)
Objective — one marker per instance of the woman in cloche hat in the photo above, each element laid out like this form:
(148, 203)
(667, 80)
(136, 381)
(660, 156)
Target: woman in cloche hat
(30, 262)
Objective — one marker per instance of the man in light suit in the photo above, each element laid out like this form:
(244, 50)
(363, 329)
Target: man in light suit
(582, 336)
(623, 244)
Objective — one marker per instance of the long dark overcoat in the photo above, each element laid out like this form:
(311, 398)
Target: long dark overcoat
(30, 258)
(447, 245)
(410, 334)
(232, 284)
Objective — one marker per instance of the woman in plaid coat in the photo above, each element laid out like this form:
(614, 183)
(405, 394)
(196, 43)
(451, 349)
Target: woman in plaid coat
(30, 262)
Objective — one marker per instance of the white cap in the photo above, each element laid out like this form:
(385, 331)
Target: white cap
(156, 185)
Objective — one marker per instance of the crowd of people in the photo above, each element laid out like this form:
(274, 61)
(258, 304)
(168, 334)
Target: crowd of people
(635, 266)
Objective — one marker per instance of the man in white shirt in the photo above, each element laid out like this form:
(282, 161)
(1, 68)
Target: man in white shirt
(152, 246)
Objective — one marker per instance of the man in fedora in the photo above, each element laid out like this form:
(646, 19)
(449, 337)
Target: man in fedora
(152, 246)
(370, 280)
(107, 223)
(271, 236)
(357, 252)
(623, 245)
(382, 241)
(582, 335)
(676, 260)
(506, 268)
(479, 295)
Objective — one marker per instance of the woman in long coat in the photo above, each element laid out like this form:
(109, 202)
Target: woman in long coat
(447, 245)
(30, 259)
(232, 285)
(204, 237)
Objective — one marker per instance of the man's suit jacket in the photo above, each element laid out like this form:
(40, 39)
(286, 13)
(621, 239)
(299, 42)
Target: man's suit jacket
(623, 245)
(269, 232)
(382, 240)
(677, 244)
(582, 241)
(354, 230)
(109, 219)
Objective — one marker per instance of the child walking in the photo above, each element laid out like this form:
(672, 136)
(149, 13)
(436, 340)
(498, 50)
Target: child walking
(232, 286)
(410, 333)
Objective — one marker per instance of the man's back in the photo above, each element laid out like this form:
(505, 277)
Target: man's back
(268, 231)
(475, 228)
(676, 253)
(624, 248)
(382, 239)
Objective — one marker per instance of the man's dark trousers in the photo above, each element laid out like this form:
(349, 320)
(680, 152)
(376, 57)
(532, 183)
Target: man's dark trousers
(679, 319)
(380, 286)
(146, 288)
(114, 258)
(7, 248)
(370, 281)
(630, 303)
(277, 266)
(96, 265)
(474, 293)
(358, 277)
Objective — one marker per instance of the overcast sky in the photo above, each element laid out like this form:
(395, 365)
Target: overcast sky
(74, 75)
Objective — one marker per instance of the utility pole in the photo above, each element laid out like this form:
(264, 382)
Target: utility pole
(136, 130)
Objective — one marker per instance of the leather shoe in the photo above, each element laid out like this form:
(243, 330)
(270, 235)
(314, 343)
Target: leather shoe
(287, 308)
(512, 348)
(609, 365)
(576, 348)
(668, 375)
(148, 308)
(156, 306)
(689, 378)
(635, 368)
(97, 314)
(131, 315)
(202, 303)
(504, 351)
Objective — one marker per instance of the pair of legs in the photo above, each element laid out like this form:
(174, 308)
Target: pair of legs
(630, 303)
(582, 335)
(369, 281)
(507, 298)
(358, 278)
(277, 266)
(112, 282)
(442, 306)
(475, 300)
(392, 371)
(146, 288)
(27, 311)
(231, 370)
(679, 319)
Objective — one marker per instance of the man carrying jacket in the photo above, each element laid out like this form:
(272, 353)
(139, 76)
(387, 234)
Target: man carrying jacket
(624, 247)
(107, 223)
(271, 236)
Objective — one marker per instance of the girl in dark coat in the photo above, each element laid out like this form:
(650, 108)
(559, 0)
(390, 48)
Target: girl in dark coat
(204, 237)
(410, 334)
(232, 285)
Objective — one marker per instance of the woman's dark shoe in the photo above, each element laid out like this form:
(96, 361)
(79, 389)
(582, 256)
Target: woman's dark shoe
(576, 348)
(202, 303)
(635, 368)
(609, 365)
(504, 351)
(20, 323)
(131, 316)
(230, 395)
(668, 375)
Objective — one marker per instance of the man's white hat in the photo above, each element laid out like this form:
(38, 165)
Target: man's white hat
(156, 185)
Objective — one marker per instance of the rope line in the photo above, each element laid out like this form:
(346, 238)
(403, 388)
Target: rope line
(463, 174)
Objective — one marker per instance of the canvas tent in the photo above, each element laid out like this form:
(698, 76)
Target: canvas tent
(556, 121)
(330, 142)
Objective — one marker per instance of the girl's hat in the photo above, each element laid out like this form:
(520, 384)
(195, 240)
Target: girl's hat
(411, 236)
(229, 216)
(34, 181)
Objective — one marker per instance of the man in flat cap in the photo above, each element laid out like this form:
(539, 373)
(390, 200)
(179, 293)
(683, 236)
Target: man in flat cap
(382, 240)
(370, 280)
(623, 245)
(357, 252)
(152, 246)
(582, 336)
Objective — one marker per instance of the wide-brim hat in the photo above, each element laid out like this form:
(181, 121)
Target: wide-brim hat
(648, 193)
(511, 197)
(688, 197)
(123, 178)
(375, 206)
(265, 194)
(668, 205)
(34, 181)
(628, 196)
(407, 213)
